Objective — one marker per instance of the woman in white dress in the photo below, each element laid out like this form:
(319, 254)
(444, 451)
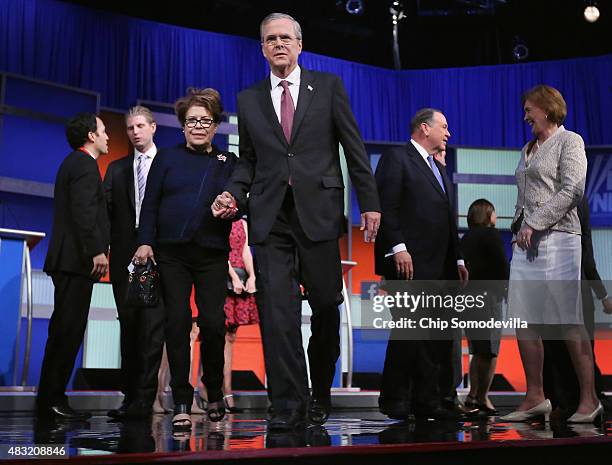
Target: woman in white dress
(544, 287)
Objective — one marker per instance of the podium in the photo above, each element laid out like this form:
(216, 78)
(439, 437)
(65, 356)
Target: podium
(15, 246)
(346, 267)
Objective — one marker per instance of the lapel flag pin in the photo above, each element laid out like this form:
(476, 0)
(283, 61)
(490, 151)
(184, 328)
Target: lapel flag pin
(310, 88)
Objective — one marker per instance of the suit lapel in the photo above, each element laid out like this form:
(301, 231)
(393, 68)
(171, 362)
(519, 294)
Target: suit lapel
(448, 186)
(307, 90)
(425, 169)
(129, 172)
(267, 107)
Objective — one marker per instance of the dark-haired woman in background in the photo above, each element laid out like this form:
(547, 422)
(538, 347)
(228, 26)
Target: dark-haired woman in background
(177, 229)
(483, 251)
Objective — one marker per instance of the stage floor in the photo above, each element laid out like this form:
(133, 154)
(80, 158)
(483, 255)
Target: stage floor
(247, 432)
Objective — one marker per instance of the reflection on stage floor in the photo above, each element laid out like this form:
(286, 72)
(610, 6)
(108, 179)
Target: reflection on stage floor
(101, 435)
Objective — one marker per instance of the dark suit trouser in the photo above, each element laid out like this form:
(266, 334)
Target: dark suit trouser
(560, 381)
(285, 259)
(418, 372)
(142, 344)
(182, 266)
(72, 298)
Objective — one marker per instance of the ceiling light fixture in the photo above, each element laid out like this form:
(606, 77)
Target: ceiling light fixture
(354, 7)
(591, 12)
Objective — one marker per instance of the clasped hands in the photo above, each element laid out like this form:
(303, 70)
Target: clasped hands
(249, 286)
(224, 206)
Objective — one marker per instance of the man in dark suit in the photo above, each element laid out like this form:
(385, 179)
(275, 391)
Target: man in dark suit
(142, 329)
(418, 240)
(76, 259)
(559, 376)
(290, 125)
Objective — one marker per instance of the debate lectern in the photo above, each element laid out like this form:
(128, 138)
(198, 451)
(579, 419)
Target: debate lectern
(15, 265)
(346, 267)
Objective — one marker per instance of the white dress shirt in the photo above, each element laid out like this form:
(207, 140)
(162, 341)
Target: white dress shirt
(149, 155)
(276, 91)
(401, 247)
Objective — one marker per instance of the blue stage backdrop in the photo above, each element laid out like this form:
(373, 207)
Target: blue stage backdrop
(128, 59)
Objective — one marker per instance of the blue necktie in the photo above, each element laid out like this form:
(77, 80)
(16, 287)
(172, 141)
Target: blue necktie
(436, 171)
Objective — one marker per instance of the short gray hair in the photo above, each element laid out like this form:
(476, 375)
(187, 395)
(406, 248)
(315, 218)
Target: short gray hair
(273, 17)
(424, 115)
(139, 110)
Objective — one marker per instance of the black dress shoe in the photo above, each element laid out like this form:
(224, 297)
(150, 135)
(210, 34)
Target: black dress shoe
(398, 410)
(118, 412)
(439, 413)
(138, 410)
(61, 412)
(317, 436)
(318, 411)
(286, 420)
(464, 410)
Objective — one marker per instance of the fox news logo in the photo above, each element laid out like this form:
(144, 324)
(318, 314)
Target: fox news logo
(599, 189)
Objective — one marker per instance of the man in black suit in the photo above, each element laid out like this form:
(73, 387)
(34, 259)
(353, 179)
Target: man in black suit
(559, 376)
(418, 240)
(142, 329)
(290, 125)
(76, 259)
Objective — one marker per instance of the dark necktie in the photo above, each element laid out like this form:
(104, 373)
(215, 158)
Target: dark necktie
(287, 110)
(436, 171)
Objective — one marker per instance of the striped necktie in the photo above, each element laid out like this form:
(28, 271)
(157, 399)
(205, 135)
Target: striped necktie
(140, 176)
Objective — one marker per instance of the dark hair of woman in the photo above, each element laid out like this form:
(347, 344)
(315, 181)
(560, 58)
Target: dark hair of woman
(207, 98)
(479, 214)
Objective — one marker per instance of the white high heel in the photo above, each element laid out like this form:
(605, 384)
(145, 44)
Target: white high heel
(587, 417)
(543, 409)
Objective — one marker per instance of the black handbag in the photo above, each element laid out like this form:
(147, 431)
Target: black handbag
(143, 285)
(242, 275)
(516, 225)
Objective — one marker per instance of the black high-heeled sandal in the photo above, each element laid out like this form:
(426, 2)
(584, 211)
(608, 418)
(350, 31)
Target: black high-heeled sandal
(483, 409)
(201, 402)
(216, 411)
(233, 408)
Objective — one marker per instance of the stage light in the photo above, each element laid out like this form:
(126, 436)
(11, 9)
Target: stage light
(397, 14)
(520, 50)
(354, 7)
(591, 13)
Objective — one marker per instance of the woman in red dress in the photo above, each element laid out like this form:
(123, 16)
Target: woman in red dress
(240, 306)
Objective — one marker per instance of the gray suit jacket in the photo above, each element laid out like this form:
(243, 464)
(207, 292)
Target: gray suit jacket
(551, 183)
